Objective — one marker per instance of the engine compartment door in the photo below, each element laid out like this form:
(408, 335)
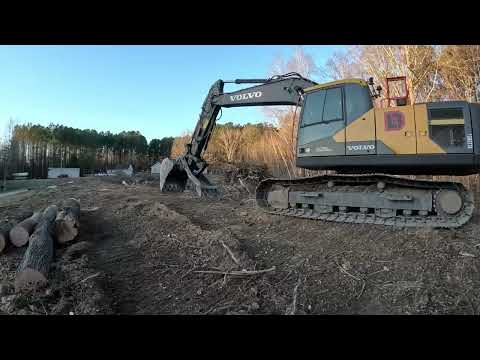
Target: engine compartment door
(444, 128)
(395, 128)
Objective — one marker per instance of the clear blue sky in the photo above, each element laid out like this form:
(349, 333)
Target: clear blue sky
(157, 90)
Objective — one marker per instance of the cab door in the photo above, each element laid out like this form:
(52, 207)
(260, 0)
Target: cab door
(395, 127)
(322, 117)
(360, 121)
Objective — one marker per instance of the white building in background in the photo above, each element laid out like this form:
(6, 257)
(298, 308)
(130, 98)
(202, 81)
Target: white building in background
(54, 173)
(155, 168)
(120, 171)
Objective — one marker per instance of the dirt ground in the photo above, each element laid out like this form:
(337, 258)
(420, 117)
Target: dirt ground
(143, 252)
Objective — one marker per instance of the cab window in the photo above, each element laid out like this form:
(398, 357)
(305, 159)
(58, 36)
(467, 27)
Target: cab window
(358, 103)
(333, 105)
(322, 106)
(313, 108)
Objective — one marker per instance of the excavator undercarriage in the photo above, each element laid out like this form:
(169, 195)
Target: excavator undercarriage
(368, 199)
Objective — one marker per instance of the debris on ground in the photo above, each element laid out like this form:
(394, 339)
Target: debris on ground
(140, 251)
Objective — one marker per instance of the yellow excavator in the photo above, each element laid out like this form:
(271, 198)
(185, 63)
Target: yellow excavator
(367, 147)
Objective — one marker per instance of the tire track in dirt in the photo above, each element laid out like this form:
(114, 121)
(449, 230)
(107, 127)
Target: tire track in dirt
(121, 262)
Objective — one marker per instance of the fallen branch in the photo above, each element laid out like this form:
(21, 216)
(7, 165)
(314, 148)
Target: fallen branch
(88, 278)
(224, 307)
(245, 186)
(237, 273)
(73, 283)
(293, 309)
(247, 200)
(338, 253)
(188, 272)
(230, 252)
(362, 290)
(342, 269)
(385, 269)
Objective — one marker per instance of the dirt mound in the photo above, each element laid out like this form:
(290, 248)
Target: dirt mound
(160, 210)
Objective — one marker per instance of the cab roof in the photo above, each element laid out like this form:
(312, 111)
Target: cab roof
(337, 82)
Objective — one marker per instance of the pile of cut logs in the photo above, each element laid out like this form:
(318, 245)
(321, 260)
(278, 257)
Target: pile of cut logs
(40, 230)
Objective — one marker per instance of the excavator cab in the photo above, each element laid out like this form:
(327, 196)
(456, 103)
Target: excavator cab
(327, 110)
(341, 130)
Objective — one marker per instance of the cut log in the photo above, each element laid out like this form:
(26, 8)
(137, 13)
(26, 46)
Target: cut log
(67, 222)
(4, 230)
(18, 215)
(21, 232)
(9, 223)
(32, 272)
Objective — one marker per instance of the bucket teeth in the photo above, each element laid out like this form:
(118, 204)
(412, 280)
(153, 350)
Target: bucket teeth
(176, 175)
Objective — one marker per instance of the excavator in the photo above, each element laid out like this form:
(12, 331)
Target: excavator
(373, 151)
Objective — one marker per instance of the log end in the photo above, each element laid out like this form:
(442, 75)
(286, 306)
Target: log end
(29, 279)
(19, 236)
(3, 242)
(66, 230)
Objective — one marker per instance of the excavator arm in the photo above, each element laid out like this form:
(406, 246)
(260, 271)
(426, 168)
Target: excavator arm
(278, 90)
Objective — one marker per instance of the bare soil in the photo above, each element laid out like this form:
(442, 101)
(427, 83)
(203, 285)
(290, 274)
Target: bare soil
(143, 252)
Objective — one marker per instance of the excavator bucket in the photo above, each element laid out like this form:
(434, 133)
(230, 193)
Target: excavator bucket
(174, 177)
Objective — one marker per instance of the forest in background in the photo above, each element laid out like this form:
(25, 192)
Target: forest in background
(35, 148)
(434, 73)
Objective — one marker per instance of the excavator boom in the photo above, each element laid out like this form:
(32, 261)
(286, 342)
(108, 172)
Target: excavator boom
(279, 90)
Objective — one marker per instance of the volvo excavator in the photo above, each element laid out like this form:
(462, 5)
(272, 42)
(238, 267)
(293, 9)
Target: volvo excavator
(371, 150)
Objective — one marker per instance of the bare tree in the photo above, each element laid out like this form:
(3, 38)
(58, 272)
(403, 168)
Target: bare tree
(230, 141)
(420, 63)
(178, 146)
(460, 72)
(6, 150)
(285, 118)
(299, 62)
(343, 65)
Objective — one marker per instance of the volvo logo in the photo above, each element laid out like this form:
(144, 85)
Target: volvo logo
(360, 147)
(246, 96)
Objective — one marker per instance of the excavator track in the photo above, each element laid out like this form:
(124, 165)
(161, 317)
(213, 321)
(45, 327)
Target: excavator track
(368, 199)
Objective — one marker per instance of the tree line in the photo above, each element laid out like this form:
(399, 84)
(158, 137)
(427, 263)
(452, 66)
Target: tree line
(34, 148)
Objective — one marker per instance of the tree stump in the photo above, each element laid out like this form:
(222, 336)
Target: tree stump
(33, 271)
(67, 221)
(21, 232)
